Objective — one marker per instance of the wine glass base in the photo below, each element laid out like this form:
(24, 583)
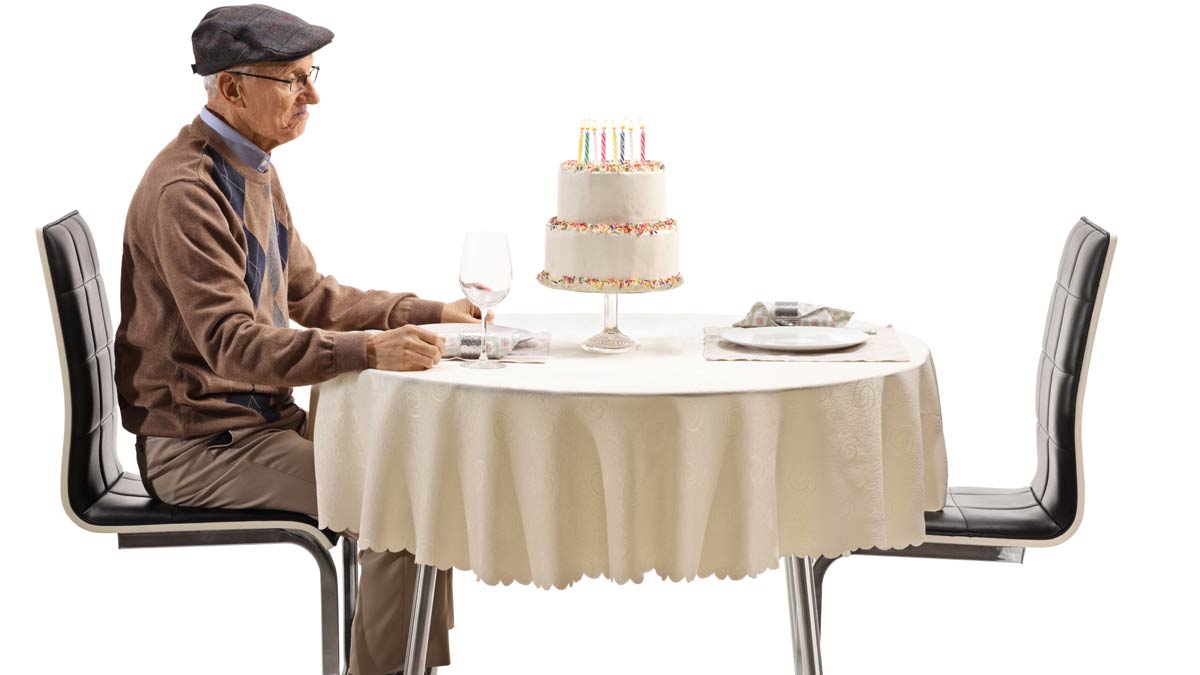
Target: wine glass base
(483, 365)
(610, 341)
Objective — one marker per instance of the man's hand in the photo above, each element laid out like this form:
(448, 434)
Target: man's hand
(462, 311)
(405, 348)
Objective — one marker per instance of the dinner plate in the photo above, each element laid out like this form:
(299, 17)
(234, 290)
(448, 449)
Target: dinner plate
(451, 328)
(795, 338)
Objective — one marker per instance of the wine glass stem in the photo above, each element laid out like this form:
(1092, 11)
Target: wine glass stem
(610, 312)
(483, 347)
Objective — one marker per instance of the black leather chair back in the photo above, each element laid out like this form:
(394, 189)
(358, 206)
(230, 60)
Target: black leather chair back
(1065, 345)
(84, 320)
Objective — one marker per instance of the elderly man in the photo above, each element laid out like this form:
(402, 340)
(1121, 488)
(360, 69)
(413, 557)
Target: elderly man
(212, 273)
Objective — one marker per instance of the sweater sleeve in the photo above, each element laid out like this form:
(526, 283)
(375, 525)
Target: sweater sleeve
(203, 266)
(319, 301)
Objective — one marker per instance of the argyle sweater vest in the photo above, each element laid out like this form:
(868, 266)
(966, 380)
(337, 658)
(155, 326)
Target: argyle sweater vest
(213, 272)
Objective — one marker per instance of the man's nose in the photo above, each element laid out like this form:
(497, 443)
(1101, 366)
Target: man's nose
(310, 95)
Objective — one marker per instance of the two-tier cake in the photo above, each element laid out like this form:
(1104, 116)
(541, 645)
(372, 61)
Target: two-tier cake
(612, 233)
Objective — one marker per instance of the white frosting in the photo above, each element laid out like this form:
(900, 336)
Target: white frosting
(607, 198)
(622, 197)
(612, 256)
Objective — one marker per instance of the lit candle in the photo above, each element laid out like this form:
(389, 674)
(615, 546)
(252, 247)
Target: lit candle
(632, 144)
(579, 154)
(613, 128)
(587, 145)
(642, 124)
(622, 141)
(604, 144)
(593, 128)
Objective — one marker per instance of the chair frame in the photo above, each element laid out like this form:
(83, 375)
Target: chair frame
(806, 575)
(306, 536)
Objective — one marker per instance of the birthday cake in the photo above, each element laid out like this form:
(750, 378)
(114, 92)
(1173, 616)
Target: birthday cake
(611, 233)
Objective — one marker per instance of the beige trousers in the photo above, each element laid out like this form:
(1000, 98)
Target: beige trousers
(271, 467)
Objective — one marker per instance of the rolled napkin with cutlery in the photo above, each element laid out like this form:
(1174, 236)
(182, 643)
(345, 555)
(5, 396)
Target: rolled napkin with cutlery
(793, 314)
(465, 341)
(469, 345)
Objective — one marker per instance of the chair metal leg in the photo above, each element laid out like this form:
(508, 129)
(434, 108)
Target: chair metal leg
(329, 601)
(349, 594)
(329, 582)
(802, 601)
(820, 566)
(422, 612)
(806, 580)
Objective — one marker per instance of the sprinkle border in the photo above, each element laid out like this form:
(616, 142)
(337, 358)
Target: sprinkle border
(611, 167)
(589, 285)
(636, 229)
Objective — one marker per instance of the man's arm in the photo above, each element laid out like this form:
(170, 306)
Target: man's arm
(204, 268)
(319, 301)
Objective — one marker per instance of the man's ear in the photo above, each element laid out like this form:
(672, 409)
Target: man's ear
(230, 89)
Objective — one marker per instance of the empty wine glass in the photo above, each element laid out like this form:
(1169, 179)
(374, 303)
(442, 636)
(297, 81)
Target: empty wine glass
(485, 276)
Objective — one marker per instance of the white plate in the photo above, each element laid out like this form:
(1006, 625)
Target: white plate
(795, 338)
(493, 329)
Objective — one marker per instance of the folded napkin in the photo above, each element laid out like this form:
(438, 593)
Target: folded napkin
(503, 346)
(793, 314)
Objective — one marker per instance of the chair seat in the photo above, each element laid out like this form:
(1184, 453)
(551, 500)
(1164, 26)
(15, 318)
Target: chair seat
(128, 504)
(995, 513)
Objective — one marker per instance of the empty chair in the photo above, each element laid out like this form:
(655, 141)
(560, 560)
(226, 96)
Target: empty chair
(998, 524)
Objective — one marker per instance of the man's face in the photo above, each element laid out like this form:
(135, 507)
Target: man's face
(267, 112)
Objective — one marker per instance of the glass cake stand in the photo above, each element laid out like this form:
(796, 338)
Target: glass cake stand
(610, 340)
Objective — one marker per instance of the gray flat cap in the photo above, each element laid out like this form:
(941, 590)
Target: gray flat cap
(230, 36)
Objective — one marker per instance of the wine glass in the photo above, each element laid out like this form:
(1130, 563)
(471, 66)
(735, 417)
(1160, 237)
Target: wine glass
(485, 276)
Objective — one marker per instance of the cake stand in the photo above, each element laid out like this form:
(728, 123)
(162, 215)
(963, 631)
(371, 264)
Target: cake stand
(610, 340)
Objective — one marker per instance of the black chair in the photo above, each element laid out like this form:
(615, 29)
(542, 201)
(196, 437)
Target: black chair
(998, 524)
(99, 495)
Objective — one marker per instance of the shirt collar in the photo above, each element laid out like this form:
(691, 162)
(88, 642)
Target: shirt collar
(246, 151)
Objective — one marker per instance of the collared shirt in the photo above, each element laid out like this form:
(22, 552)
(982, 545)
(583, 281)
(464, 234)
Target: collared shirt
(246, 151)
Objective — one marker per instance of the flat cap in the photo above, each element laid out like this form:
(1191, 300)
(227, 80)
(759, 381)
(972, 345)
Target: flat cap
(239, 34)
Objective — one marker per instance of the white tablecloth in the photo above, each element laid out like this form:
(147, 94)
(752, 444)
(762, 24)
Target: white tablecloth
(617, 465)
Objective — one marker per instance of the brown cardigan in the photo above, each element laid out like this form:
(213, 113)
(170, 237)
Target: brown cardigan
(212, 270)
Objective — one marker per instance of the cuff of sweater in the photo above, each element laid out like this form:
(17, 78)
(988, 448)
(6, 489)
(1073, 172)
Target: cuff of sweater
(425, 311)
(350, 351)
(416, 310)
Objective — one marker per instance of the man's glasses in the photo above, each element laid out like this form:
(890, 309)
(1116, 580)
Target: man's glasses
(295, 83)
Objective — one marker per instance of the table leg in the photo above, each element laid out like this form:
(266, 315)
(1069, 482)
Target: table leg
(422, 612)
(802, 601)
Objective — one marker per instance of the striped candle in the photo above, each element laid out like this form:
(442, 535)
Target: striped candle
(579, 153)
(587, 146)
(643, 126)
(622, 142)
(603, 145)
(594, 130)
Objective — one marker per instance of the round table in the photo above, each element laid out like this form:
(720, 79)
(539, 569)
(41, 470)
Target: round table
(616, 465)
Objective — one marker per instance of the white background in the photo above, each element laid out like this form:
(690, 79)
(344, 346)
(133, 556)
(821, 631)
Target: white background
(919, 162)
